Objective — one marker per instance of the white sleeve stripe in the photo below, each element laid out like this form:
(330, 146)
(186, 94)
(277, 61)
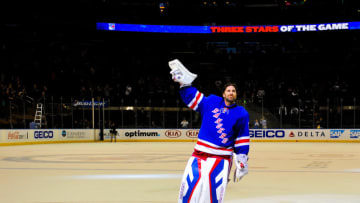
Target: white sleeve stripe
(243, 138)
(241, 144)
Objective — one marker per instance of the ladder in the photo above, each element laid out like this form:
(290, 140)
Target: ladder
(38, 115)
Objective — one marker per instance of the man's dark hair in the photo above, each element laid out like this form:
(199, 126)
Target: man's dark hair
(229, 84)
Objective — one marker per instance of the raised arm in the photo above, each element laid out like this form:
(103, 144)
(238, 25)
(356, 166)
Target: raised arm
(192, 97)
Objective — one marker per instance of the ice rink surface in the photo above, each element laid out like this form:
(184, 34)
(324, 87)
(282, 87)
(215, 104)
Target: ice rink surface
(105, 172)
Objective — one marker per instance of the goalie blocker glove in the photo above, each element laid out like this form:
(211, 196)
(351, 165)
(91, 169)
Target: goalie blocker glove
(241, 166)
(180, 73)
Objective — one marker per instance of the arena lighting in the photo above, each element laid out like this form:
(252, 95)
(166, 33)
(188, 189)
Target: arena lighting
(163, 6)
(227, 29)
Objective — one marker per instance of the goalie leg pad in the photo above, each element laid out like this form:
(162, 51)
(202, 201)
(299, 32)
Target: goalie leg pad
(216, 181)
(190, 188)
(204, 180)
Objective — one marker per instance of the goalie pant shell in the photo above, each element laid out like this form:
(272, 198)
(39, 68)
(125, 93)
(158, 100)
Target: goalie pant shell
(204, 180)
(224, 129)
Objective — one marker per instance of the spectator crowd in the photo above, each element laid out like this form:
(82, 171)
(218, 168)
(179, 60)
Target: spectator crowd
(284, 72)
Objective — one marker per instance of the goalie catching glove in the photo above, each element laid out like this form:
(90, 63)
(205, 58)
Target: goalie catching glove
(241, 166)
(181, 74)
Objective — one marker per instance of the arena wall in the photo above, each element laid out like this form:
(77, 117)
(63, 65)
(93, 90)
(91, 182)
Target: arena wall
(45, 136)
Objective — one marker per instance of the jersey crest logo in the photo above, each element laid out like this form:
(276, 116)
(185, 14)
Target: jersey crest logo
(215, 110)
(216, 115)
(218, 121)
(220, 130)
(223, 135)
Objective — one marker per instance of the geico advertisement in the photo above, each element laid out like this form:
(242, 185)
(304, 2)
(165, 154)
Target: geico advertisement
(43, 134)
(267, 134)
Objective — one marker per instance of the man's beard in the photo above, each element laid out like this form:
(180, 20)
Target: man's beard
(231, 101)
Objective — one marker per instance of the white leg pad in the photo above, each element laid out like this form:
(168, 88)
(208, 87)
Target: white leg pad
(204, 181)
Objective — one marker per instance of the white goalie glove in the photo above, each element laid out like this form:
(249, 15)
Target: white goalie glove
(180, 73)
(241, 166)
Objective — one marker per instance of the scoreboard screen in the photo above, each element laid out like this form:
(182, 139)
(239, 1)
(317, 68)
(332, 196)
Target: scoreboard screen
(227, 29)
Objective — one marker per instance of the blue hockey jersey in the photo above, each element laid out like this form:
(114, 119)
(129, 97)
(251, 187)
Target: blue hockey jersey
(224, 129)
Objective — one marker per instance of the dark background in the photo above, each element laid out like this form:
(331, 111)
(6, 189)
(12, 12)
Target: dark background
(55, 46)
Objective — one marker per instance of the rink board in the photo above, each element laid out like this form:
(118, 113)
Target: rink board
(39, 136)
